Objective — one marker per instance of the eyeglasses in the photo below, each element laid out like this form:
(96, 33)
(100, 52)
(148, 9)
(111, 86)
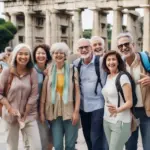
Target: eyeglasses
(125, 44)
(83, 47)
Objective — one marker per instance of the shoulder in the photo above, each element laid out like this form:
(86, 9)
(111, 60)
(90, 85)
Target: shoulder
(76, 62)
(124, 79)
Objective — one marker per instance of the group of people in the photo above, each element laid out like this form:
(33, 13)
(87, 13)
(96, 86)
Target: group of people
(45, 93)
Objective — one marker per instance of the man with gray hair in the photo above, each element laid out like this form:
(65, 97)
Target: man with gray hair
(98, 45)
(134, 66)
(92, 101)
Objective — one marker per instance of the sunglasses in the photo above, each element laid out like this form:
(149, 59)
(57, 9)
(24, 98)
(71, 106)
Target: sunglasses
(125, 44)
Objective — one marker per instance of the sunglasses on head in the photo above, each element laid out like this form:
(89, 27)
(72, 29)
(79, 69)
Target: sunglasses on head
(124, 44)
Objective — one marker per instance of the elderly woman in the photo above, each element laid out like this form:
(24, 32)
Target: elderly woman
(18, 94)
(60, 99)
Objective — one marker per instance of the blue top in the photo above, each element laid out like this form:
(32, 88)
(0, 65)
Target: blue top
(89, 100)
(4, 65)
(40, 81)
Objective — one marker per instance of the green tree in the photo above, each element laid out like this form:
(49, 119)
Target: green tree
(87, 33)
(7, 32)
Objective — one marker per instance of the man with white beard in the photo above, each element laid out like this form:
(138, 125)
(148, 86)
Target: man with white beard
(98, 45)
(92, 101)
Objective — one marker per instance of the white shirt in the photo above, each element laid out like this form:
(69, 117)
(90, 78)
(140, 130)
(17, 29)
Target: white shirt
(110, 95)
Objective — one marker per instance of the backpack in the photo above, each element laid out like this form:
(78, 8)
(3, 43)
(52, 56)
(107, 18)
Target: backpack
(97, 70)
(145, 60)
(120, 90)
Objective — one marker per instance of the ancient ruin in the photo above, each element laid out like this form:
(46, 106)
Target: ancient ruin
(49, 21)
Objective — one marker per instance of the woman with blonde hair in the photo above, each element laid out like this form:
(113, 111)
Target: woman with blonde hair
(60, 99)
(18, 94)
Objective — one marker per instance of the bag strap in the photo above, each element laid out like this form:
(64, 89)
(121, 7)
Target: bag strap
(73, 81)
(97, 70)
(145, 60)
(119, 88)
(79, 68)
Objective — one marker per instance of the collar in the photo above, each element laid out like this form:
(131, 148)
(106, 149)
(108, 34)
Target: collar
(135, 62)
(92, 61)
(13, 70)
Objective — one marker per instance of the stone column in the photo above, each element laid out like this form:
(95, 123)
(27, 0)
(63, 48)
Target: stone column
(146, 29)
(132, 17)
(28, 29)
(14, 21)
(7, 16)
(47, 28)
(77, 28)
(54, 26)
(117, 27)
(96, 21)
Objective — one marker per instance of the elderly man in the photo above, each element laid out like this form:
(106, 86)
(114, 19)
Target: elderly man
(127, 49)
(92, 102)
(98, 44)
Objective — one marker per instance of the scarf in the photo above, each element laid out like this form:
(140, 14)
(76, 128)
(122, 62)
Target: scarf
(54, 83)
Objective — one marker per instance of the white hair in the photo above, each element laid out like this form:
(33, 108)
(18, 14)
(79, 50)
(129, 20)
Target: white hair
(97, 38)
(17, 49)
(82, 40)
(60, 46)
(126, 34)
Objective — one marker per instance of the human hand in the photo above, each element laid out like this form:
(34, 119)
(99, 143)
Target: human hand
(13, 111)
(75, 118)
(112, 109)
(42, 117)
(145, 81)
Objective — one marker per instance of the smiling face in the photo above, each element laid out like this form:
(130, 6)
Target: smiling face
(40, 56)
(23, 57)
(98, 47)
(112, 63)
(125, 47)
(84, 49)
(59, 56)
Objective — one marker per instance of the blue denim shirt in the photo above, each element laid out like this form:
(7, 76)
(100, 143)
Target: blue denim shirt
(89, 100)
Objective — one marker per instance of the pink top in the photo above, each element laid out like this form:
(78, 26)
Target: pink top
(23, 90)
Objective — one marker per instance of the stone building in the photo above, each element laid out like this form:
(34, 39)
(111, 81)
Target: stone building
(49, 21)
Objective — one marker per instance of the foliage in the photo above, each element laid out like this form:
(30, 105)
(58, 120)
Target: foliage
(87, 33)
(7, 32)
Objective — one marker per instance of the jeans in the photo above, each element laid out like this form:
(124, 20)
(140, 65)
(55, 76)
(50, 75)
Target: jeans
(145, 132)
(92, 124)
(61, 128)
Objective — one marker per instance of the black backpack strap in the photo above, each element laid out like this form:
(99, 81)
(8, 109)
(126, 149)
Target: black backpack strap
(97, 70)
(73, 82)
(119, 88)
(79, 68)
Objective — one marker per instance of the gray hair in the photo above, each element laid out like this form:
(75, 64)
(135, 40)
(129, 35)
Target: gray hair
(8, 48)
(97, 38)
(82, 40)
(60, 46)
(126, 34)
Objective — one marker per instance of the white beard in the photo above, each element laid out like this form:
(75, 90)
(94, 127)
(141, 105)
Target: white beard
(85, 56)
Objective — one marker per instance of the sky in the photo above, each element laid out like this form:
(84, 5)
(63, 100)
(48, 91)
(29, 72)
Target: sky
(87, 17)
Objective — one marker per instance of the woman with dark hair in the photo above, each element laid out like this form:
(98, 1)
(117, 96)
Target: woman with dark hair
(117, 119)
(19, 94)
(42, 59)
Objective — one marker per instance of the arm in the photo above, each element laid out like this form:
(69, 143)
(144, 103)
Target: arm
(3, 100)
(32, 100)
(75, 117)
(43, 99)
(128, 98)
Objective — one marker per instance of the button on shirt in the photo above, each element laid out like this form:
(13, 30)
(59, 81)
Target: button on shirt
(89, 100)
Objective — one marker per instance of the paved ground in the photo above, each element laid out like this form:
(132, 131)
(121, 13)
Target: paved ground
(80, 142)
